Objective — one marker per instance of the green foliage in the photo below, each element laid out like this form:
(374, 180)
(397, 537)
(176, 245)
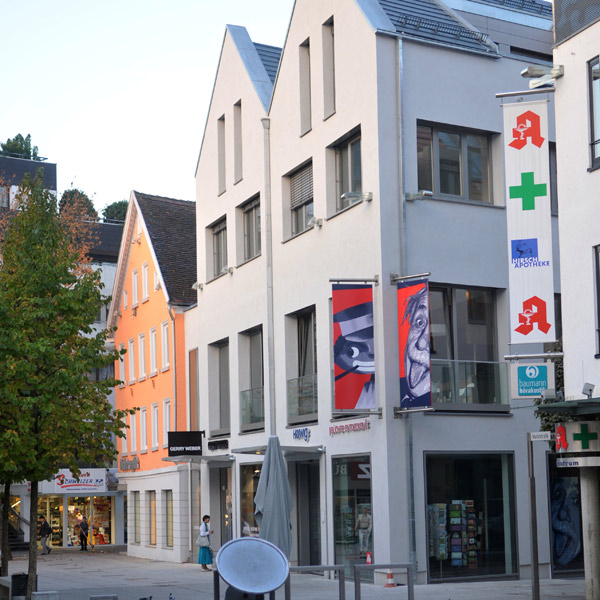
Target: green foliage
(76, 198)
(19, 147)
(115, 211)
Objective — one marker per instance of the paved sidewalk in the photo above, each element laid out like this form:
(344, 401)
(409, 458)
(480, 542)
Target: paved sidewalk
(77, 576)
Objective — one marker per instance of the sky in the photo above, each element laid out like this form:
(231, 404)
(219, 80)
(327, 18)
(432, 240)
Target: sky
(116, 92)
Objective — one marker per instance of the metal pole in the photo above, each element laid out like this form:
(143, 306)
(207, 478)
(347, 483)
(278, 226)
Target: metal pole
(535, 567)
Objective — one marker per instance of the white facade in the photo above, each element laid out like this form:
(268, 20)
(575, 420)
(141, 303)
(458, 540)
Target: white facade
(386, 91)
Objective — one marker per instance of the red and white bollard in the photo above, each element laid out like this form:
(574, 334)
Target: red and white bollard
(390, 579)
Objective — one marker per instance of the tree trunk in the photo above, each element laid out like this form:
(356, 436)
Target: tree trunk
(4, 547)
(33, 519)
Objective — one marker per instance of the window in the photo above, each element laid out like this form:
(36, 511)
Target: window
(597, 267)
(237, 142)
(166, 420)
(144, 282)
(193, 387)
(305, 92)
(328, 69)
(219, 239)
(453, 163)
(134, 289)
(221, 158)
(151, 499)
(131, 354)
(251, 212)
(4, 196)
(153, 368)
(301, 199)
(156, 281)
(302, 388)
(125, 300)
(168, 504)
(252, 415)
(463, 348)
(143, 429)
(121, 364)
(164, 340)
(154, 426)
(133, 430)
(124, 444)
(348, 173)
(142, 357)
(219, 406)
(594, 86)
(136, 517)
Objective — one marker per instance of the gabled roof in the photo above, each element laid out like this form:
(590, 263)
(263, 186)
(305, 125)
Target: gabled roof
(431, 21)
(171, 226)
(12, 171)
(270, 57)
(107, 241)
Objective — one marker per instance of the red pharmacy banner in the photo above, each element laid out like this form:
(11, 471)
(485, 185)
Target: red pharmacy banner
(413, 344)
(353, 347)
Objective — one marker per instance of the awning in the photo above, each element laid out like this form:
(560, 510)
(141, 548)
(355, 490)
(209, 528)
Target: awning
(575, 408)
(289, 451)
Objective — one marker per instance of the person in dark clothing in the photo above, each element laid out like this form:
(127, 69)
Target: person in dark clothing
(83, 534)
(45, 531)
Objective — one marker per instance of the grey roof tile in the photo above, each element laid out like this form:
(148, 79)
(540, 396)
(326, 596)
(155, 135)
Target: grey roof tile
(270, 57)
(428, 21)
(534, 7)
(171, 226)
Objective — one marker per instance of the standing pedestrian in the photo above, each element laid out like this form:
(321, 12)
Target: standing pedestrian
(45, 531)
(203, 541)
(83, 534)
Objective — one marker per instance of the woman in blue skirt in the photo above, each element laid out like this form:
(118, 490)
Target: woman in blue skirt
(204, 553)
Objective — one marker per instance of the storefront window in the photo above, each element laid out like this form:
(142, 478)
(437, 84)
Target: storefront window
(78, 507)
(52, 508)
(353, 526)
(151, 498)
(101, 519)
(168, 499)
(136, 518)
(249, 476)
(565, 519)
(470, 515)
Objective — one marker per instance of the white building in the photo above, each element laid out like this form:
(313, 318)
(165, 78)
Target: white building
(327, 149)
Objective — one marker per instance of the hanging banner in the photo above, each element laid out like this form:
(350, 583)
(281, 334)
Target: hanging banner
(353, 347)
(529, 227)
(413, 343)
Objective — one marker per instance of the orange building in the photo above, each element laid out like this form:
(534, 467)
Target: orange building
(153, 288)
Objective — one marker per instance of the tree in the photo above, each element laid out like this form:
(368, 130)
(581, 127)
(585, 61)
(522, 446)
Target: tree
(19, 147)
(115, 211)
(52, 414)
(77, 197)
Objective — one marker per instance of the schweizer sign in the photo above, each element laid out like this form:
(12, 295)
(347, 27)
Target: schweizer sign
(529, 227)
(185, 443)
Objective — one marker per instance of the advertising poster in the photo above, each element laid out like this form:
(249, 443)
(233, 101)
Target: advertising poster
(528, 215)
(353, 347)
(413, 344)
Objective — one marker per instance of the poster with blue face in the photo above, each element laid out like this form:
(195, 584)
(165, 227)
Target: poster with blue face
(413, 344)
(353, 347)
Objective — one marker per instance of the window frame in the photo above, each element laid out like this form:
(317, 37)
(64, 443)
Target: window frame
(168, 506)
(143, 430)
(219, 246)
(151, 499)
(165, 343)
(145, 293)
(252, 223)
(301, 198)
(133, 430)
(131, 357)
(166, 421)
(137, 537)
(154, 426)
(341, 149)
(141, 357)
(134, 288)
(153, 357)
(594, 100)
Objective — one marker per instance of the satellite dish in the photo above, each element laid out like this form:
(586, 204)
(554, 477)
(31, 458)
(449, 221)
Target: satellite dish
(252, 565)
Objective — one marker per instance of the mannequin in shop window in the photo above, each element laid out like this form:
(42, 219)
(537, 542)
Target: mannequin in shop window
(364, 526)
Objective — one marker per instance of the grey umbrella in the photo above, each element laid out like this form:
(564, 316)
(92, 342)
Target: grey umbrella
(273, 499)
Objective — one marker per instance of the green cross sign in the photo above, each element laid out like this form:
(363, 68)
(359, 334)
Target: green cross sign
(585, 436)
(527, 190)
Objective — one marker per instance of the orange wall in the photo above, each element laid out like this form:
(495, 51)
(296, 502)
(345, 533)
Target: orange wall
(153, 388)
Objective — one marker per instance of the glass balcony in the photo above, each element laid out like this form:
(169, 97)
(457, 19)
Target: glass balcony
(468, 383)
(252, 409)
(302, 399)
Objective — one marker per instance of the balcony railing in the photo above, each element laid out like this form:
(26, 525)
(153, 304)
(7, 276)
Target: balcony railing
(252, 409)
(457, 382)
(302, 399)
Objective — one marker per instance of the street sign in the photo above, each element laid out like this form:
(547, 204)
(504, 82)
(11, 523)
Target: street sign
(541, 436)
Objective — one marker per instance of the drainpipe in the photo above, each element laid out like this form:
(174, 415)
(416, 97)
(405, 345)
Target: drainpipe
(412, 539)
(266, 122)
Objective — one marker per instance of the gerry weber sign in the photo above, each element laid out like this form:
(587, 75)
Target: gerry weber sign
(185, 443)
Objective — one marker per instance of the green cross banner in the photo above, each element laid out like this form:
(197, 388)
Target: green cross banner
(528, 190)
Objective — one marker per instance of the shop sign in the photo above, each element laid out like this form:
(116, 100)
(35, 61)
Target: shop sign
(129, 464)
(530, 380)
(578, 436)
(218, 445)
(579, 461)
(350, 427)
(89, 480)
(301, 433)
(185, 443)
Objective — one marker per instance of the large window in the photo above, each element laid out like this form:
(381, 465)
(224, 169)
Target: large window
(302, 389)
(301, 199)
(348, 173)
(453, 163)
(464, 369)
(594, 85)
(305, 87)
(328, 69)
(251, 211)
(252, 413)
(470, 515)
(151, 499)
(249, 476)
(219, 247)
(219, 408)
(168, 508)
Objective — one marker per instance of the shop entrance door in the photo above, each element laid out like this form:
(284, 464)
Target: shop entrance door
(309, 511)
(226, 504)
